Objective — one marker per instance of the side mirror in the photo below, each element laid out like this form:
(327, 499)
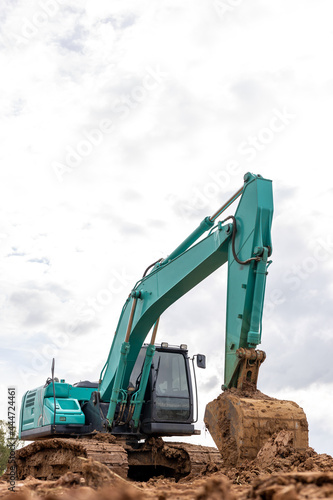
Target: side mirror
(201, 361)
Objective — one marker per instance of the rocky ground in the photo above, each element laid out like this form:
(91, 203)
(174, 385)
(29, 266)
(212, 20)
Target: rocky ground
(279, 472)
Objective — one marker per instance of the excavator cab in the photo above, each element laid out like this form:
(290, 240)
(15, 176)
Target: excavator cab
(169, 399)
(74, 410)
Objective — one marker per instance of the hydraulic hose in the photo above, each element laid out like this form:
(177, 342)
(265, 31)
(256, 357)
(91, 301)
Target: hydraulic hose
(149, 267)
(241, 262)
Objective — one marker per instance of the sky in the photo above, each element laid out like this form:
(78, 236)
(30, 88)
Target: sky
(124, 124)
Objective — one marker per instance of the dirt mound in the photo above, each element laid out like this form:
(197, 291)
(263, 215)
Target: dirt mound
(279, 472)
(279, 454)
(293, 486)
(93, 477)
(84, 493)
(216, 488)
(249, 390)
(104, 436)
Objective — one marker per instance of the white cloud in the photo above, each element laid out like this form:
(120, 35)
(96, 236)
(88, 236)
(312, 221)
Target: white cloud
(122, 205)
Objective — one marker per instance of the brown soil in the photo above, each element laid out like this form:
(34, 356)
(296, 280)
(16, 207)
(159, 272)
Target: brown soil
(50, 459)
(280, 470)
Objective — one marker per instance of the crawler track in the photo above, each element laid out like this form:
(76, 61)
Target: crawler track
(51, 458)
(200, 457)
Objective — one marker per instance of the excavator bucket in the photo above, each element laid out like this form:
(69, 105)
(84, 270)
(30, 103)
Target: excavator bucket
(240, 423)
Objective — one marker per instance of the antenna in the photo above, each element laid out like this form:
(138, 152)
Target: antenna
(54, 396)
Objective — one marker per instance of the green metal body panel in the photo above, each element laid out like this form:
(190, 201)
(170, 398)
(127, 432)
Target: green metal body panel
(184, 269)
(37, 409)
(61, 390)
(68, 411)
(246, 283)
(65, 390)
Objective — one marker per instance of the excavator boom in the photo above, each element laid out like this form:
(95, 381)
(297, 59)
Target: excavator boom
(245, 244)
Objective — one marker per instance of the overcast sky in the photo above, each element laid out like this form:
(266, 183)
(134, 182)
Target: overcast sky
(123, 124)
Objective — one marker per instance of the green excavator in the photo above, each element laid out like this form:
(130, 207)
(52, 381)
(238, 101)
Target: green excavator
(147, 391)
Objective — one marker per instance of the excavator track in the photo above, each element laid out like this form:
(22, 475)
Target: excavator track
(201, 458)
(51, 458)
(171, 459)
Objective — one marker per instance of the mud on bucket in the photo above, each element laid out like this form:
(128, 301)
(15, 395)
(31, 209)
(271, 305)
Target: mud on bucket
(240, 425)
